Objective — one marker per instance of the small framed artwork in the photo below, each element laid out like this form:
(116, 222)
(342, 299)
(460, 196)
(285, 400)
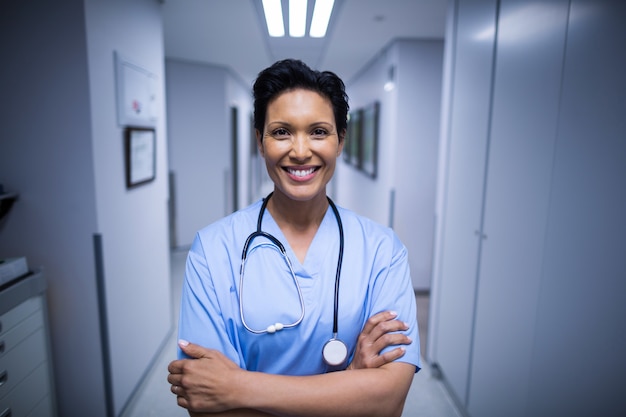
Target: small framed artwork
(369, 161)
(140, 150)
(352, 147)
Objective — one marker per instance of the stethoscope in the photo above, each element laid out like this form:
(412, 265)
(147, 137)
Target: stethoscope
(334, 352)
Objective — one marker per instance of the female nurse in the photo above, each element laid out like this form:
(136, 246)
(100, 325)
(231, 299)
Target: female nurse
(253, 334)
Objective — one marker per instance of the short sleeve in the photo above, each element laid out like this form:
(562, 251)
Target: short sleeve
(201, 320)
(393, 290)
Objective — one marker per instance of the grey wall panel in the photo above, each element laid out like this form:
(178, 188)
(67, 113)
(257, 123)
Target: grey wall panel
(529, 60)
(46, 157)
(578, 366)
(548, 337)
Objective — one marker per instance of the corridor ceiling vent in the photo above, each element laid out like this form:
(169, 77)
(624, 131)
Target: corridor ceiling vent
(299, 13)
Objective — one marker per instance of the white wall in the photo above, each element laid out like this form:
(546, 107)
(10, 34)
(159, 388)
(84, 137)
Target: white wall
(62, 151)
(133, 223)
(408, 146)
(352, 189)
(199, 145)
(239, 95)
(420, 66)
(199, 98)
(527, 299)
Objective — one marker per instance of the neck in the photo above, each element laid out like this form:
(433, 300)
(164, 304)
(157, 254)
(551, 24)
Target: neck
(297, 214)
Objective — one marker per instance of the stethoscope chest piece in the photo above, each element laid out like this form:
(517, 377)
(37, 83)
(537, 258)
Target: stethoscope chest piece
(335, 352)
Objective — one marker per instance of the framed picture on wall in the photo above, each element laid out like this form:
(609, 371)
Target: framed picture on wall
(140, 151)
(369, 144)
(352, 147)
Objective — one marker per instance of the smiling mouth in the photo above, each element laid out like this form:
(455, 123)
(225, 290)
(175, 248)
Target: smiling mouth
(301, 173)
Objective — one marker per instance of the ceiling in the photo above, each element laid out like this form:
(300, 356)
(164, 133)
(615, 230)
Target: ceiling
(232, 33)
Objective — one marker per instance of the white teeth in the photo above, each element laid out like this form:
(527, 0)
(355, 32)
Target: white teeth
(301, 173)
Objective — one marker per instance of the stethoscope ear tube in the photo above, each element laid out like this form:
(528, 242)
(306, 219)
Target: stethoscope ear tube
(266, 235)
(259, 232)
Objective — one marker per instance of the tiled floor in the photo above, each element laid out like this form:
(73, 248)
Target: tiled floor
(427, 396)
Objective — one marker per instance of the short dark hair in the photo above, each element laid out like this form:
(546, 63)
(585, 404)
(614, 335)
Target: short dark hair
(290, 74)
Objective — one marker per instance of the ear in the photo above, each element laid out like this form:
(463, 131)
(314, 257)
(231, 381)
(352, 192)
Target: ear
(259, 142)
(342, 142)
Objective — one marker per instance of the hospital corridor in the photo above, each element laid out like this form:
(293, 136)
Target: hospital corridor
(485, 137)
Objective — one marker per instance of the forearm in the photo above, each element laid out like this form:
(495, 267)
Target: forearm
(214, 385)
(364, 392)
(232, 413)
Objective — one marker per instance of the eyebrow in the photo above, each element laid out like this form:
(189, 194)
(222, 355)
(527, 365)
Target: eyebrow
(280, 123)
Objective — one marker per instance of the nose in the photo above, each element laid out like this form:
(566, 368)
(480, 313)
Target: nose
(300, 149)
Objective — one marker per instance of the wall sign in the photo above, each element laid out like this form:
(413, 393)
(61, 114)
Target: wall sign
(136, 94)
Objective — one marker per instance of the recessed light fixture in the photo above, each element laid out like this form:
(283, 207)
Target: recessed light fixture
(298, 18)
(321, 18)
(274, 17)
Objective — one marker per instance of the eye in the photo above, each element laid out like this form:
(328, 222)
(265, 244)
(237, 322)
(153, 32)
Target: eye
(280, 133)
(319, 133)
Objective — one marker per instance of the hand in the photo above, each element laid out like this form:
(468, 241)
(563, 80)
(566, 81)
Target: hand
(377, 334)
(205, 383)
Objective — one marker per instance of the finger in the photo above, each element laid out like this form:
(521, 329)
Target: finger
(182, 402)
(176, 367)
(192, 350)
(378, 318)
(387, 357)
(392, 355)
(175, 379)
(387, 327)
(391, 339)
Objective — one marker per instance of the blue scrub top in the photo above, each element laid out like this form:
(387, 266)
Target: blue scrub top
(375, 277)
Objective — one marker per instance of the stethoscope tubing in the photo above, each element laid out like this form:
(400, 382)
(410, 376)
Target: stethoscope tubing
(281, 248)
(338, 273)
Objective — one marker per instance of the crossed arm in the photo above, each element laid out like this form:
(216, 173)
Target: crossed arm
(373, 384)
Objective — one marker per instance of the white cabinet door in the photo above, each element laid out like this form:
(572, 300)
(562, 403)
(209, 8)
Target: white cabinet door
(468, 124)
(529, 61)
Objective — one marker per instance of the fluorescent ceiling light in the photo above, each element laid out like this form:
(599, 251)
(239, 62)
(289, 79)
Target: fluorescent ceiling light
(274, 17)
(321, 17)
(297, 18)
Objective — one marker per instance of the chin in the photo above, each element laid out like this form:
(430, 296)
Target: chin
(301, 195)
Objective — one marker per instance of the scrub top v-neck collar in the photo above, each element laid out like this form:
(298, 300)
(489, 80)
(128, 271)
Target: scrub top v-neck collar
(318, 250)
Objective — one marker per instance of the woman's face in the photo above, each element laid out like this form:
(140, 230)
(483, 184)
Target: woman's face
(300, 144)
